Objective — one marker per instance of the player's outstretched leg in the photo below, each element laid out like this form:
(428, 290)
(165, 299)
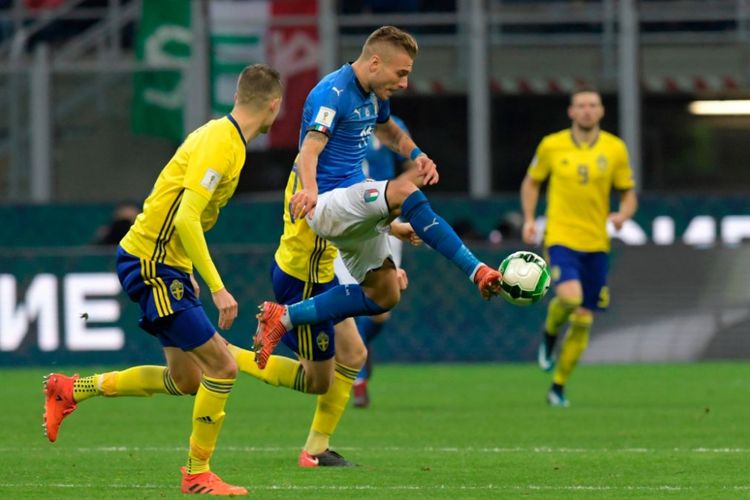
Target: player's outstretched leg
(337, 304)
(62, 393)
(436, 232)
(58, 402)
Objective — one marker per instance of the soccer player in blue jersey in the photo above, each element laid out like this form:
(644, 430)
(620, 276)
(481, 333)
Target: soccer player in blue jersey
(155, 263)
(380, 164)
(340, 114)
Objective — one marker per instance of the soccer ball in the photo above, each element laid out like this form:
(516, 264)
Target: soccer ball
(525, 278)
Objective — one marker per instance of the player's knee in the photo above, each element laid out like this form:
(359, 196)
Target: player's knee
(353, 357)
(570, 301)
(400, 189)
(187, 383)
(225, 369)
(389, 298)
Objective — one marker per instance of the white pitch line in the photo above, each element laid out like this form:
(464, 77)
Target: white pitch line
(428, 449)
(368, 487)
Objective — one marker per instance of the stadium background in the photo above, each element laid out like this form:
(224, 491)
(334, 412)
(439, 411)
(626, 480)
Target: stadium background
(97, 94)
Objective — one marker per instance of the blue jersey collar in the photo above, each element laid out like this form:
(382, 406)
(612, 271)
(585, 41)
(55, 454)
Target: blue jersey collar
(356, 81)
(234, 122)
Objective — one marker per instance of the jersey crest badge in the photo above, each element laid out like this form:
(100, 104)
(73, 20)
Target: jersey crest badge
(601, 162)
(322, 341)
(177, 289)
(371, 195)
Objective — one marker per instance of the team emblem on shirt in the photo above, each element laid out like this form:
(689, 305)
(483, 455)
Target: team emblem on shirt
(371, 195)
(177, 289)
(601, 162)
(322, 341)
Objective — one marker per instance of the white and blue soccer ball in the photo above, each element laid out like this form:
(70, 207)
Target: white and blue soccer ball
(526, 278)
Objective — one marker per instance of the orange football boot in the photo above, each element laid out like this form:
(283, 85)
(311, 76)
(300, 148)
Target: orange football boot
(208, 483)
(269, 332)
(58, 402)
(488, 281)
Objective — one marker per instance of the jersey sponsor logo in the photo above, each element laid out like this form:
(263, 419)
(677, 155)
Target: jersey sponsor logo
(358, 112)
(211, 179)
(325, 116)
(177, 289)
(322, 341)
(338, 91)
(371, 195)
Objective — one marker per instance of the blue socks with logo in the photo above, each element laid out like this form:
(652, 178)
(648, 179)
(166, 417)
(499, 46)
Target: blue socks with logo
(437, 233)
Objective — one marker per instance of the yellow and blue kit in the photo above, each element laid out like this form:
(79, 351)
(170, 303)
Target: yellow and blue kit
(152, 261)
(581, 178)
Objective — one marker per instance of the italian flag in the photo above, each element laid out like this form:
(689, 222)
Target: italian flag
(371, 195)
(241, 34)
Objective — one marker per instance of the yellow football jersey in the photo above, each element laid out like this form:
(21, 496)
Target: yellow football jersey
(302, 253)
(581, 178)
(208, 162)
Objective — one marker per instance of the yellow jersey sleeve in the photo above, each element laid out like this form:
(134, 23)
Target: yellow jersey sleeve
(622, 175)
(541, 164)
(188, 224)
(209, 162)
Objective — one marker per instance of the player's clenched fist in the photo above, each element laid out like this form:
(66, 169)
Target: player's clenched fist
(427, 168)
(227, 307)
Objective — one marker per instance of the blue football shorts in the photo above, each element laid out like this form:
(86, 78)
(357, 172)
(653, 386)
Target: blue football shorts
(313, 342)
(170, 311)
(590, 268)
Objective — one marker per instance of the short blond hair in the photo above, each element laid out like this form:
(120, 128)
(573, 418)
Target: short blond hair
(258, 83)
(395, 37)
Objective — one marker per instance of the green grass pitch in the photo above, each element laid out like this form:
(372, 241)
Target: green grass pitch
(447, 431)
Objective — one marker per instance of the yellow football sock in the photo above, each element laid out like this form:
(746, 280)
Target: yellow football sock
(575, 343)
(329, 409)
(558, 312)
(279, 371)
(208, 418)
(139, 381)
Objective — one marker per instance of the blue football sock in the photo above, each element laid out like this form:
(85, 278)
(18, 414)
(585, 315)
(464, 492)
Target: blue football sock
(437, 233)
(368, 329)
(340, 302)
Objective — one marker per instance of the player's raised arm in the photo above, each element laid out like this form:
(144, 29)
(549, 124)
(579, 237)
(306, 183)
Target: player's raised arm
(390, 134)
(187, 222)
(304, 200)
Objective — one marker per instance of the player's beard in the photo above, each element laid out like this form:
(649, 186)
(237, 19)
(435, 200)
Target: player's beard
(587, 129)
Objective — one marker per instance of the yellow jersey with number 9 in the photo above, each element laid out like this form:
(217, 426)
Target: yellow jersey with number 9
(208, 162)
(581, 178)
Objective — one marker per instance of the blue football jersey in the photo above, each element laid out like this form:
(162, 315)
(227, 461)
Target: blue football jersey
(339, 107)
(381, 163)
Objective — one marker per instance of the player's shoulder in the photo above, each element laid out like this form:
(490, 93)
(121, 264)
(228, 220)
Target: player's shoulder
(217, 128)
(335, 86)
(611, 139)
(557, 139)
